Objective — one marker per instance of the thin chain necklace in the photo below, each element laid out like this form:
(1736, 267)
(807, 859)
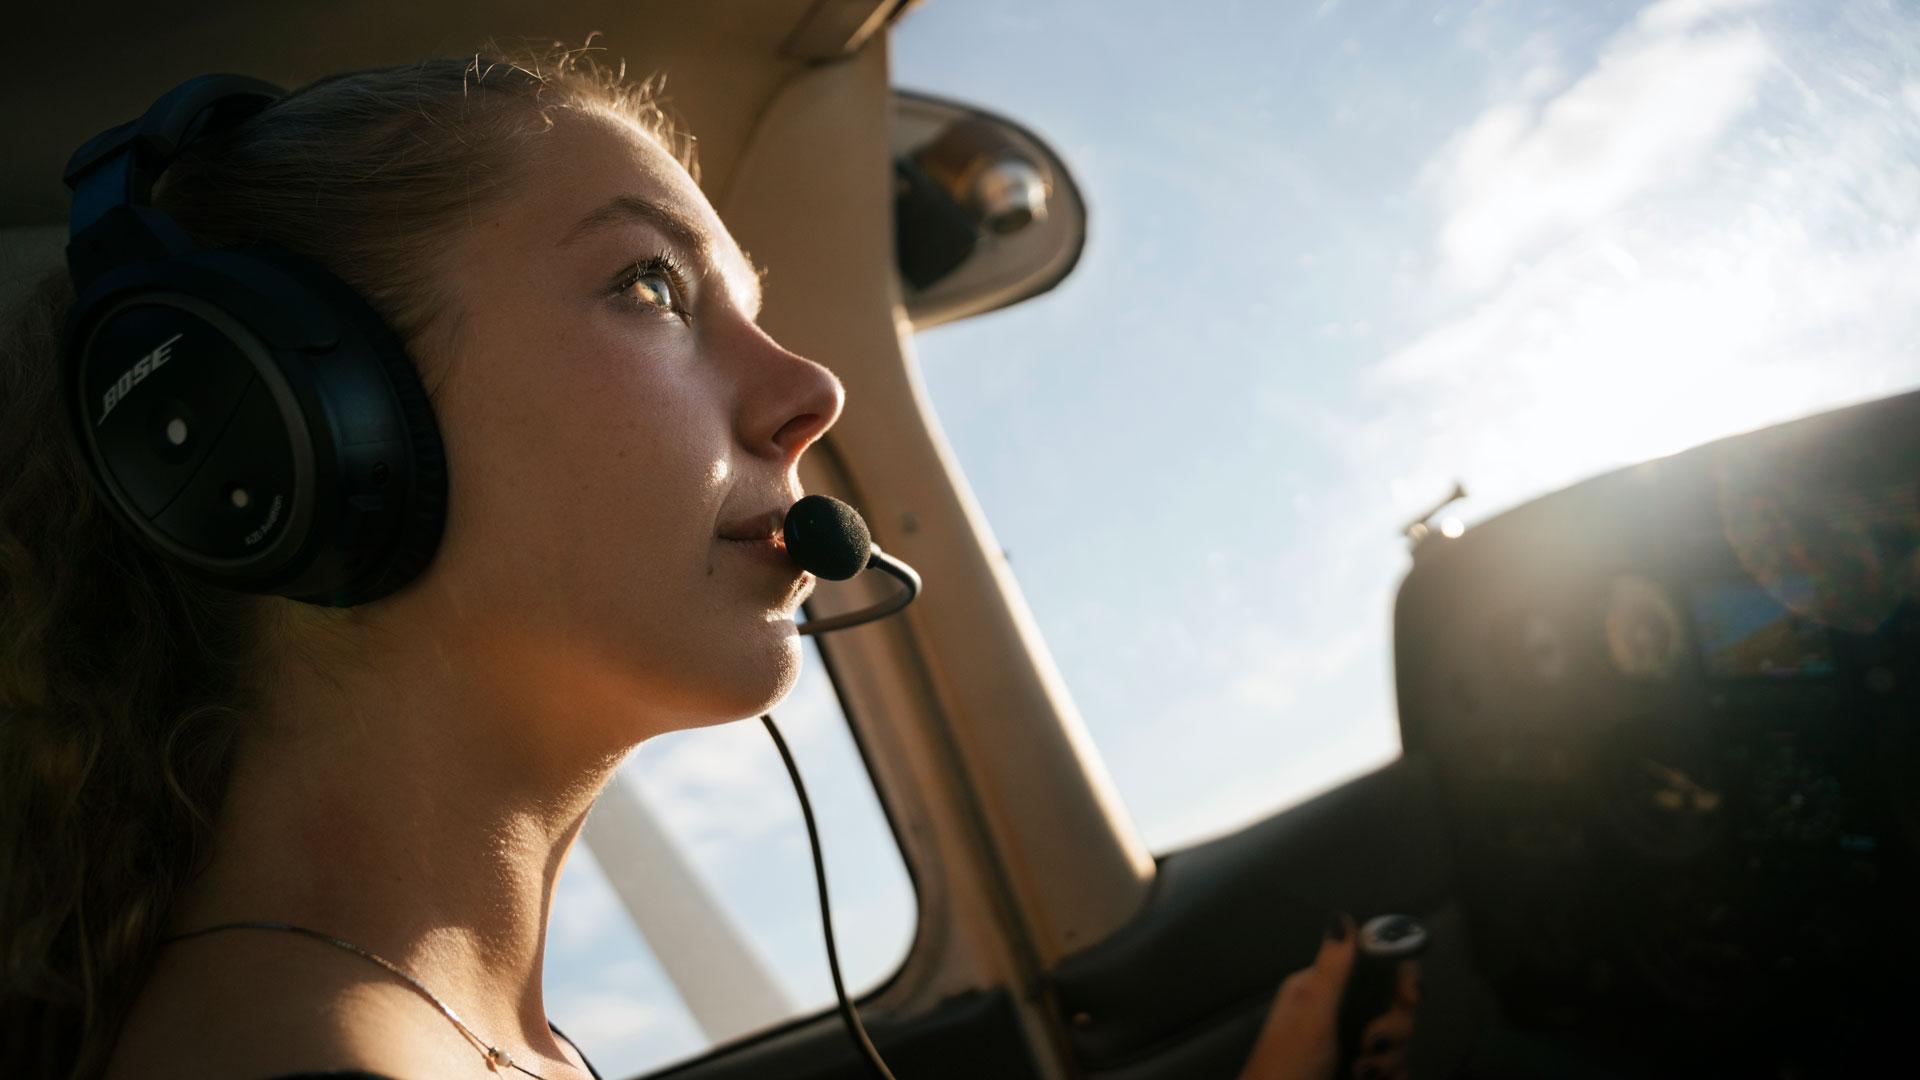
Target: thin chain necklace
(496, 1057)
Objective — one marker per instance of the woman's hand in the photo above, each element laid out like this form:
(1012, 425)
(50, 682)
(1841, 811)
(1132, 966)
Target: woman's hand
(1300, 1040)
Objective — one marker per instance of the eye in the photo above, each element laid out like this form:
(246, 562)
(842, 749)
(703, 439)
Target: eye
(655, 282)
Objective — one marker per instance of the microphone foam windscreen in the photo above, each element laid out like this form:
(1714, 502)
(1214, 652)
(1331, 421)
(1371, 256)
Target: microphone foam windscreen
(827, 538)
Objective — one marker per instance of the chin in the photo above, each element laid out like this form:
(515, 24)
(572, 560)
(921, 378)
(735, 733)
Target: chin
(758, 682)
(780, 679)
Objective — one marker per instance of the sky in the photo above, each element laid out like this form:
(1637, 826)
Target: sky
(1339, 257)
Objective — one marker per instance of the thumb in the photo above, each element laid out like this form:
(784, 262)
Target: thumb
(1335, 960)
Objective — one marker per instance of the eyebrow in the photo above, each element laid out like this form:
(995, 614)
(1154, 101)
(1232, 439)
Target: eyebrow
(677, 226)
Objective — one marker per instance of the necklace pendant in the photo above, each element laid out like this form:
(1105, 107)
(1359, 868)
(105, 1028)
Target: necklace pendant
(499, 1058)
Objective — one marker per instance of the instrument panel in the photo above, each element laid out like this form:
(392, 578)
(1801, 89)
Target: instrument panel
(1675, 717)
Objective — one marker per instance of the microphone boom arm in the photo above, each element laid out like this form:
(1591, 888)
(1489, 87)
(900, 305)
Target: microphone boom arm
(876, 560)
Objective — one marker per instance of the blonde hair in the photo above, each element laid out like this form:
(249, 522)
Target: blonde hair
(124, 682)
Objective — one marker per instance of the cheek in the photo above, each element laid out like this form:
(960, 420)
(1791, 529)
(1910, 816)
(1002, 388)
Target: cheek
(601, 446)
(634, 480)
(602, 400)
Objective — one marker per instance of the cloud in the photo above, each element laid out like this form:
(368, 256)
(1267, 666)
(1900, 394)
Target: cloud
(585, 909)
(1275, 667)
(1680, 16)
(1658, 307)
(1598, 357)
(596, 1016)
(1527, 173)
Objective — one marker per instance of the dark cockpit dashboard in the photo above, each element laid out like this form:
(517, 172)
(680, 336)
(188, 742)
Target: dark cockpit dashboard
(1673, 716)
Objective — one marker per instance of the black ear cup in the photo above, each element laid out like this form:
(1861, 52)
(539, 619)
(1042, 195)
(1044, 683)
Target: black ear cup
(257, 423)
(407, 489)
(243, 411)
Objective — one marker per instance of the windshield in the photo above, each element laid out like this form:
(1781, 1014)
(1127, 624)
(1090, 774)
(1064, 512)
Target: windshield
(1343, 255)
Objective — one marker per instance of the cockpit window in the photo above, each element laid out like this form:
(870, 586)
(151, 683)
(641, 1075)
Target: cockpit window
(1342, 256)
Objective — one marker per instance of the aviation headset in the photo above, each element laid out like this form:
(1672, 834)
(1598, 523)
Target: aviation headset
(245, 412)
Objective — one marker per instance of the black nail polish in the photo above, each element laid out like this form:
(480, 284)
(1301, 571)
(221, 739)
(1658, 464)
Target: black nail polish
(1380, 1044)
(1337, 926)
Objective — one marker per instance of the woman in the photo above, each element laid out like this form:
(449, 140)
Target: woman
(404, 778)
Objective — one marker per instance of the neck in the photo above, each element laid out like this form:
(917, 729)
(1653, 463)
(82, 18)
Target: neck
(423, 813)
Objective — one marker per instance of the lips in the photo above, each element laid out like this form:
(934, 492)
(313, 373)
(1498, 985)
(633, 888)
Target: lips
(770, 552)
(761, 527)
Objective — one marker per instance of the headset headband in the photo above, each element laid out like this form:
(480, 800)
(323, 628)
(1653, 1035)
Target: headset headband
(112, 174)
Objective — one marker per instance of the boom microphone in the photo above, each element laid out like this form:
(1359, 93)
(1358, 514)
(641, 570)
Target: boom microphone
(829, 539)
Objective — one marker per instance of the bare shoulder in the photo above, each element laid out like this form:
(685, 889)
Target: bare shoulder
(248, 1015)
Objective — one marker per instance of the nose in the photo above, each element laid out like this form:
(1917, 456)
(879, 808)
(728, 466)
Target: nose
(792, 401)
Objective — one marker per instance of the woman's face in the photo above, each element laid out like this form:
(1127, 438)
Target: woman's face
(604, 420)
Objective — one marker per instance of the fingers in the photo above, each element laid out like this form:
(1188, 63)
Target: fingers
(1299, 1040)
(1382, 1053)
(1406, 990)
(1392, 1066)
(1335, 960)
(1381, 1066)
(1383, 1046)
(1388, 1030)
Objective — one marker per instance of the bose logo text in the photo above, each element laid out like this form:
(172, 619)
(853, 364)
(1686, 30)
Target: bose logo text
(134, 375)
